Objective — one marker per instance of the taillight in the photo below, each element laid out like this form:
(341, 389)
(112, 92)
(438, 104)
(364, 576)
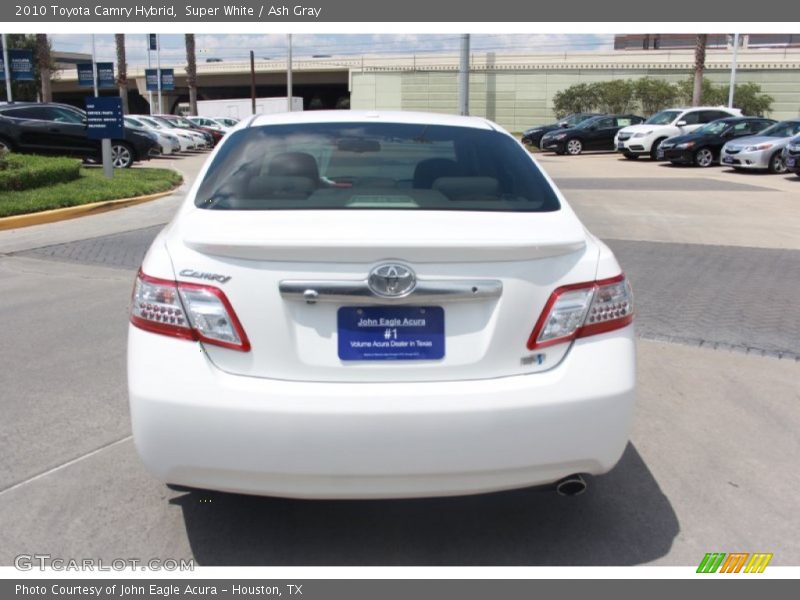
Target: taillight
(583, 309)
(186, 310)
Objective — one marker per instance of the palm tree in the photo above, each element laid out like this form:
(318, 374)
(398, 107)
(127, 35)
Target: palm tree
(699, 67)
(191, 73)
(43, 59)
(122, 71)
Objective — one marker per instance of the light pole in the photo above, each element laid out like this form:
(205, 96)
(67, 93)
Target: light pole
(289, 76)
(733, 70)
(7, 70)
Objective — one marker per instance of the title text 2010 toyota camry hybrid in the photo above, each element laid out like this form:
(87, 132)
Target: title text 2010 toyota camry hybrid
(378, 305)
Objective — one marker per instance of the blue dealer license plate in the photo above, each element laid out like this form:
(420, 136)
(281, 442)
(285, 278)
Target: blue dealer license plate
(391, 332)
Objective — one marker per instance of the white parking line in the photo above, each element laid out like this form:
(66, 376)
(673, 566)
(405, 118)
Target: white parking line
(64, 465)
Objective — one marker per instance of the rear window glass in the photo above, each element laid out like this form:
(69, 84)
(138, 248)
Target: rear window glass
(317, 166)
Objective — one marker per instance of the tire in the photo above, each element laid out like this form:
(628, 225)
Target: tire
(574, 147)
(122, 155)
(776, 164)
(527, 142)
(631, 156)
(6, 145)
(654, 148)
(704, 157)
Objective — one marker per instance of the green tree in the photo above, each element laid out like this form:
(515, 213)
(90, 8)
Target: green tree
(748, 97)
(615, 96)
(712, 95)
(581, 97)
(654, 95)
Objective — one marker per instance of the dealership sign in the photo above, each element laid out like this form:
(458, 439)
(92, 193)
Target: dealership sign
(104, 117)
(21, 65)
(105, 75)
(167, 80)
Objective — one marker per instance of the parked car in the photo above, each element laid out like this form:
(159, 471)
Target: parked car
(212, 136)
(595, 133)
(533, 136)
(206, 122)
(644, 139)
(763, 151)
(53, 128)
(332, 314)
(702, 146)
(791, 155)
(167, 142)
(226, 121)
(189, 140)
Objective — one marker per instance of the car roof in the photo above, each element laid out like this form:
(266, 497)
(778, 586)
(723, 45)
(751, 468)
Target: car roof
(369, 116)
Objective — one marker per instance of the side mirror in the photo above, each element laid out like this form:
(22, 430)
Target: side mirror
(563, 124)
(727, 133)
(680, 123)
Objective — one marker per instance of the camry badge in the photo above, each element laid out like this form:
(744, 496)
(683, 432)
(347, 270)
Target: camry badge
(391, 280)
(207, 276)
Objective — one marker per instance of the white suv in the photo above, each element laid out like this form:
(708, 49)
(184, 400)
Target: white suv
(637, 140)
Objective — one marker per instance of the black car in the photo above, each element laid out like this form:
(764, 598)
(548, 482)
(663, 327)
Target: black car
(533, 136)
(702, 146)
(60, 129)
(596, 133)
(791, 155)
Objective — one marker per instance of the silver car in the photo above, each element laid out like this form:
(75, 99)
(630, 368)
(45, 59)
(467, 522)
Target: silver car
(763, 151)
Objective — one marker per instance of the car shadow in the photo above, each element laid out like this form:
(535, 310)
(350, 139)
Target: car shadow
(623, 519)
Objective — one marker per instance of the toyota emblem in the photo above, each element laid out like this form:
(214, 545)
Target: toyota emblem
(391, 280)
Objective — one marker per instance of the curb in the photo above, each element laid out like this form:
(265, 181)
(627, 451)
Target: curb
(72, 212)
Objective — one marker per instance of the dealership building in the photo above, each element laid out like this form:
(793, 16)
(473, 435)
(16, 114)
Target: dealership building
(515, 90)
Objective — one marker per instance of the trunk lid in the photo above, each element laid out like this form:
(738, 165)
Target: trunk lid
(519, 257)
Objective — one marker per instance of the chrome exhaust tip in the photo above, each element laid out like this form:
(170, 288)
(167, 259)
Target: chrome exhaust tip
(572, 485)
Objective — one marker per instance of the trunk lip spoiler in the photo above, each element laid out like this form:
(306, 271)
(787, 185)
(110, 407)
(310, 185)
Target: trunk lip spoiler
(357, 291)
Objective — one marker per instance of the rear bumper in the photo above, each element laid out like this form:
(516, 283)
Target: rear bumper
(198, 426)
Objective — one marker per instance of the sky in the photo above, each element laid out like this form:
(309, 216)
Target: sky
(232, 47)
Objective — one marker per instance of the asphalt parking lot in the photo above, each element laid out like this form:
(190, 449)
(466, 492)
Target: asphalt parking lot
(714, 258)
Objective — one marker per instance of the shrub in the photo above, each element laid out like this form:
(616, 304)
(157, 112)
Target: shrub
(654, 95)
(615, 96)
(26, 171)
(581, 97)
(747, 96)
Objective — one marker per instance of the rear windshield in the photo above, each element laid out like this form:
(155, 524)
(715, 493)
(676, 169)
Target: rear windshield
(316, 166)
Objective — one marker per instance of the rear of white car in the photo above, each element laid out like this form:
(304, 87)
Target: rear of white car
(361, 305)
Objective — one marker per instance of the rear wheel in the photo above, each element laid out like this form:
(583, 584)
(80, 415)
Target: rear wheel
(121, 155)
(574, 147)
(704, 157)
(6, 145)
(654, 148)
(776, 164)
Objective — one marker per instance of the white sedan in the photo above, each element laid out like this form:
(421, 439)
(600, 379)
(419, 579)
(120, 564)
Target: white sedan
(378, 305)
(188, 139)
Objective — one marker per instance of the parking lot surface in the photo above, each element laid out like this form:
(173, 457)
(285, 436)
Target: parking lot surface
(715, 262)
